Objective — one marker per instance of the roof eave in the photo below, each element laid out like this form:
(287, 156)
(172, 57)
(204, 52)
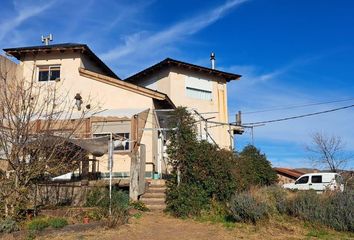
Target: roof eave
(168, 62)
(16, 52)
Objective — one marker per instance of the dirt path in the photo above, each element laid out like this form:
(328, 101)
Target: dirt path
(158, 226)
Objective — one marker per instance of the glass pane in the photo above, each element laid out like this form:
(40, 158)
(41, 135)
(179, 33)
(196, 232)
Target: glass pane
(43, 75)
(316, 179)
(54, 73)
(303, 180)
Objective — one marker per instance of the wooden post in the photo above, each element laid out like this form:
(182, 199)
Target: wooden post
(134, 177)
(141, 177)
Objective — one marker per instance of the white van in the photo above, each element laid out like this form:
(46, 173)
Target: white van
(318, 182)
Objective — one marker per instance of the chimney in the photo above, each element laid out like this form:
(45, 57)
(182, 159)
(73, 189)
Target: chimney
(212, 60)
(238, 119)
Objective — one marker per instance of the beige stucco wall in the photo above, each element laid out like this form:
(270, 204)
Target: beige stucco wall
(172, 82)
(284, 179)
(100, 94)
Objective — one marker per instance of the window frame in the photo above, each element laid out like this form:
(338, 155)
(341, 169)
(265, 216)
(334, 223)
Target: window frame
(49, 72)
(200, 91)
(96, 135)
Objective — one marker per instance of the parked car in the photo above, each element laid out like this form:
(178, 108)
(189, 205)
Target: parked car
(318, 182)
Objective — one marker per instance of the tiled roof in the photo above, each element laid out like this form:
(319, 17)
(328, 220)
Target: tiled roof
(292, 173)
(168, 62)
(19, 51)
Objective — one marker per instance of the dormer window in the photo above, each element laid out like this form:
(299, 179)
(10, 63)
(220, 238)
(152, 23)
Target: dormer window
(48, 73)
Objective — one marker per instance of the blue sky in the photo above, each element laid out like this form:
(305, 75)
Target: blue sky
(290, 53)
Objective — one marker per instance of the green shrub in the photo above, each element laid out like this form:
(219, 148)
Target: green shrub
(339, 211)
(205, 172)
(245, 208)
(139, 205)
(57, 222)
(37, 224)
(8, 226)
(253, 169)
(186, 201)
(99, 197)
(332, 209)
(306, 205)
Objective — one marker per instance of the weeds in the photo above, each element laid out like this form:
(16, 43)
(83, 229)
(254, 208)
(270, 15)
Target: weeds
(8, 226)
(245, 208)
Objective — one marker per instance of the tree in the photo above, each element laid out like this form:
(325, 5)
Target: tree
(36, 120)
(253, 168)
(201, 172)
(328, 151)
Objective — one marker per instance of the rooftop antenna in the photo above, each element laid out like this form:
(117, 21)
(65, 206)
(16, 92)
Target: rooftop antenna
(212, 59)
(47, 39)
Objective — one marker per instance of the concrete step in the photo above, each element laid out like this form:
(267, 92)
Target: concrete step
(158, 182)
(156, 207)
(153, 201)
(156, 190)
(154, 195)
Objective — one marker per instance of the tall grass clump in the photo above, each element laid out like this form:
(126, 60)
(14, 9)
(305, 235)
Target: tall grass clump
(336, 210)
(99, 197)
(246, 208)
(332, 209)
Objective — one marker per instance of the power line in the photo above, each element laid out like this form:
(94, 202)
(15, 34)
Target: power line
(300, 116)
(297, 106)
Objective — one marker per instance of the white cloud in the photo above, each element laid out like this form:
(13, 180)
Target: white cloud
(144, 44)
(23, 12)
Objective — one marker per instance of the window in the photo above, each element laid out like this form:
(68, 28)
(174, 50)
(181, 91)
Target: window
(119, 129)
(117, 143)
(48, 73)
(198, 93)
(198, 88)
(302, 180)
(316, 179)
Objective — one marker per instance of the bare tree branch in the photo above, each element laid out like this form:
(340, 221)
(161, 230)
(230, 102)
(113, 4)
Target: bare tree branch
(328, 152)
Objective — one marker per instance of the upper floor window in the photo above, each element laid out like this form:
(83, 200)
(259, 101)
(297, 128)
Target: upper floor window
(48, 73)
(198, 88)
(198, 93)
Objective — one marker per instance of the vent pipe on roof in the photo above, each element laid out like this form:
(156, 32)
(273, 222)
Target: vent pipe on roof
(212, 60)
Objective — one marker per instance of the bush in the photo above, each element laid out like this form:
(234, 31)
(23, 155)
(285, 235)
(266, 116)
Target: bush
(37, 224)
(57, 222)
(274, 197)
(205, 172)
(332, 209)
(139, 205)
(253, 169)
(186, 200)
(99, 197)
(8, 226)
(245, 208)
(339, 211)
(306, 205)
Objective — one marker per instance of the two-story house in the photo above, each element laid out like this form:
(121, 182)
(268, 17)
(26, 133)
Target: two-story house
(163, 86)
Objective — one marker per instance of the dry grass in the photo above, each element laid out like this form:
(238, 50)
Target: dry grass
(160, 226)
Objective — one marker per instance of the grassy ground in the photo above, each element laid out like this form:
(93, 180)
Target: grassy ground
(160, 226)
